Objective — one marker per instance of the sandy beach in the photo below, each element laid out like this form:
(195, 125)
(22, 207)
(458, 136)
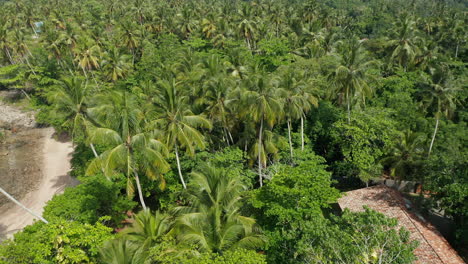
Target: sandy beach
(55, 177)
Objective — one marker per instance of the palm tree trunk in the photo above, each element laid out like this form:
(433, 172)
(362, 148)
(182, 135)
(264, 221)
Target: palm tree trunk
(456, 51)
(30, 67)
(226, 136)
(348, 106)
(94, 150)
(260, 178)
(25, 94)
(9, 56)
(22, 206)
(230, 136)
(433, 136)
(140, 193)
(302, 133)
(289, 136)
(178, 167)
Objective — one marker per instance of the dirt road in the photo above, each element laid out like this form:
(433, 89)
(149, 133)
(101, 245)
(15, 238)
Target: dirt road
(55, 169)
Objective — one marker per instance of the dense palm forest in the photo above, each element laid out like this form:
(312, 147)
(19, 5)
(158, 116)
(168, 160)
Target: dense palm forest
(228, 128)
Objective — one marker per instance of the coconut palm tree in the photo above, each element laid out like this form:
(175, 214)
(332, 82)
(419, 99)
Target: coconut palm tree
(176, 124)
(72, 98)
(263, 106)
(298, 99)
(351, 77)
(440, 93)
(212, 221)
(88, 56)
(5, 42)
(147, 228)
(122, 251)
(405, 42)
(115, 64)
(131, 149)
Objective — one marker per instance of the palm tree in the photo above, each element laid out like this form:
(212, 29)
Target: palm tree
(147, 228)
(441, 94)
(88, 57)
(131, 149)
(403, 156)
(122, 251)
(5, 43)
(297, 96)
(22, 48)
(262, 105)
(212, 221)
(115, 64)
(177, 125)
(247, 30)
(130, 37)
(71, 97)
(405, 42)
(352, 75)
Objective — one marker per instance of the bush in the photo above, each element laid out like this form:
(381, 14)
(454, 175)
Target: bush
(87, 202)
(60, 241)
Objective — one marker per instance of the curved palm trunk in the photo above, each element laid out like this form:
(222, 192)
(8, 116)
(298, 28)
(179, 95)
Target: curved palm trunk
(260, 177)
(289, 136)
(178, 167)
(140, 193)
(22, 206)
(302, 133)
(433, 137)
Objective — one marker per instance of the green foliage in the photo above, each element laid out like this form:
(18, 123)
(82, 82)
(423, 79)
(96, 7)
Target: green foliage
(212, 221)
(295, 193)
(368, 237)
(95, 197)
(60, 241)
(228, 257)
(273, 53)
(12, 76)
(363, 142)
(446, 176)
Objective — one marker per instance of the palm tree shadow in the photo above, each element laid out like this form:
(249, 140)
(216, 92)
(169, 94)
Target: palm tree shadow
(62, 137)
(63, 181)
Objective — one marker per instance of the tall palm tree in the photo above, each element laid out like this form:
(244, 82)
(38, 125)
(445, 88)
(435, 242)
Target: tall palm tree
(177, 124)
(212, 221)
(5, 42)
(88, 57)
(351, 77)
(405, 42)
(298, 99)
(262, 106)
(440, 93)
(72, 97)
(131, 149)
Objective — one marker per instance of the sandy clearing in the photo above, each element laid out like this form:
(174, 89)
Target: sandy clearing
(55, 168)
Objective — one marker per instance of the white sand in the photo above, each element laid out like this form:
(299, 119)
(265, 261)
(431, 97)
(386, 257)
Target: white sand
(55, 168)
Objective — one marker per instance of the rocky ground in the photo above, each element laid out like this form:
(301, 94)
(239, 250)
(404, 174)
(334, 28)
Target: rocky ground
(12, 118)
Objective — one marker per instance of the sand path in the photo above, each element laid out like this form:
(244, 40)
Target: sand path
(55, 168)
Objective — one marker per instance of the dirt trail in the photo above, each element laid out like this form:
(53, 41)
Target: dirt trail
(55, 168)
